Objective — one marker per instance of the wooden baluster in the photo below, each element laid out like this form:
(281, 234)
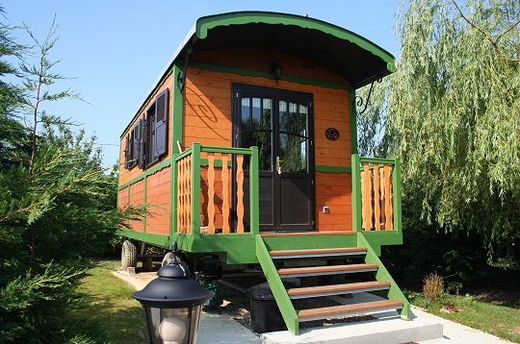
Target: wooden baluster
(211, 193)
(184, 210)
(364, 191)
(388, 198)
(370, 212)
(381, 177)
(188, 188)
(377, 204)
(179, 197)
(225, 194)
(240, 193)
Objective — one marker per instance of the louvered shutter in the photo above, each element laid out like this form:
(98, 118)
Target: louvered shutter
(161, 125)
(140, 144)
(127, 150)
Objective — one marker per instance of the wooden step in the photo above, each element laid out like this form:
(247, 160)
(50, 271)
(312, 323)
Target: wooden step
(344, 310)
(321, 252)
(336, 289)
(326, 270)
(308, 233)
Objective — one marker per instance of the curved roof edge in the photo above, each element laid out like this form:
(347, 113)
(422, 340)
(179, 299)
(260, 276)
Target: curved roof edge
(204, 24)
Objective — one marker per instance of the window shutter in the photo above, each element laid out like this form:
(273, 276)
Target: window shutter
(131, 154)
(127, 150)
(161, 125)
(140, 144)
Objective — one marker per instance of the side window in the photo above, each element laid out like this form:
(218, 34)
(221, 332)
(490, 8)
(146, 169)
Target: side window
(147, 142)
(157, 129)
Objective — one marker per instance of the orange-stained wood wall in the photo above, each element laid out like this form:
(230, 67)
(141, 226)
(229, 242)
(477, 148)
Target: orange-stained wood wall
(208, 120)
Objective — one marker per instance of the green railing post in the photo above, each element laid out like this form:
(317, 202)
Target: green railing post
(174, 193)
(396, 186)
(195, 188)
(254, 197)
(356, 193)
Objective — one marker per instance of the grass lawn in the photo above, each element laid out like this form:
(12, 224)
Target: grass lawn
(499, 320)
(111, 315)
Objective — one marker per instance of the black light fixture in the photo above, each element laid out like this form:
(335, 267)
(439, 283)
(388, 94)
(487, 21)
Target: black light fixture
(172, 304)
(276, 69)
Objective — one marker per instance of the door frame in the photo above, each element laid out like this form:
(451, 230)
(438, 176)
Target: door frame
(275, 94)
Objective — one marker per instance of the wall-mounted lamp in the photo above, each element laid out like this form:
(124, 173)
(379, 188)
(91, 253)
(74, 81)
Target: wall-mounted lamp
(276, 69)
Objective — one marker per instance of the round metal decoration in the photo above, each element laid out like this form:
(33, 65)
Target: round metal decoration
(332, 134)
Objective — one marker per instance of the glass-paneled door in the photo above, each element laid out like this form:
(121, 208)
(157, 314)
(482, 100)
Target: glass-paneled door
(279, 123)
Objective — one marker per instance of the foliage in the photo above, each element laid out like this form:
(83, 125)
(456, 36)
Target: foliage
(450, 113)
(57, 204)
(453, 108)
(433, 287)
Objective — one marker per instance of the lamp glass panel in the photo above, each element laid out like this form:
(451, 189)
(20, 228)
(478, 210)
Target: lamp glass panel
(180, 325)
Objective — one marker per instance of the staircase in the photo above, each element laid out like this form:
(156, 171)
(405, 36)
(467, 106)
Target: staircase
(359, 266)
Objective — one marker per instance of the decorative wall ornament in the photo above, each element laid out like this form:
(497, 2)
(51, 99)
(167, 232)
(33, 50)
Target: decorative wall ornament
(332, 134)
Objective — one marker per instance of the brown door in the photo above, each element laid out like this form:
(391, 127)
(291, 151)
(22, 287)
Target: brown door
(279, 123)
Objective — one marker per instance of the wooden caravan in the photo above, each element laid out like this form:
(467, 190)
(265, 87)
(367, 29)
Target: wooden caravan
(246, 149)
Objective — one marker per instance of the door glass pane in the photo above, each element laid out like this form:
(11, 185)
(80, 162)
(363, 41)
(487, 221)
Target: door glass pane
(267, 114)
(293, 126)
(302, 119)
(282, 115)
(293, 153)
(262, 139)
(245, 113)
(256, 114)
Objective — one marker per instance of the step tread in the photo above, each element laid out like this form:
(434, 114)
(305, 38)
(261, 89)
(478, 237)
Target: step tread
(326, 268)
(345, 287)
(309, 233)
(317, 251)
(344, 309)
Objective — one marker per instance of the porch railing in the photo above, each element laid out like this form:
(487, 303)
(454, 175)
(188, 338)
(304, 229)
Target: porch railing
(376, 194)
(210, 184)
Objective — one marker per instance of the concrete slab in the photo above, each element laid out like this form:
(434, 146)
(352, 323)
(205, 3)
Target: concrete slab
(388, 328)
(221, 329)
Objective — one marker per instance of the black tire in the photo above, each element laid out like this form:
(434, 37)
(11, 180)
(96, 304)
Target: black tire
(128, 255)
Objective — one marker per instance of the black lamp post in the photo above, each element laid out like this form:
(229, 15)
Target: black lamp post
(172, 304)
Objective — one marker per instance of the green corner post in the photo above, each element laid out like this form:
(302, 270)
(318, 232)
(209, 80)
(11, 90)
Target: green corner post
(254, 197)
(396, 184)
(195, 188)
(356, 193)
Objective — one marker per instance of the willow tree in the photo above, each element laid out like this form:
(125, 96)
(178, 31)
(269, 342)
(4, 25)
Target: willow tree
(453, 110)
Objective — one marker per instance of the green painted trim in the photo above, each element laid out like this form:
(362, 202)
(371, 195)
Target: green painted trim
(261, 74)
(356, 193)
(173, 198)
(165, 75)
(396, 186)
(377, 160)
(254, 193)
(155, 169)
(178, 110)
(394, 293)
(332, 169)
(204, 24)
(281, 297)
(145, 196)
(225, 150)
(195, 188)
(353, 122)
(183, 154)
(154, 239)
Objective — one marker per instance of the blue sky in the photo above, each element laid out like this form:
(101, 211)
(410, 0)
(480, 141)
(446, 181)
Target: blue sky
(116, 50)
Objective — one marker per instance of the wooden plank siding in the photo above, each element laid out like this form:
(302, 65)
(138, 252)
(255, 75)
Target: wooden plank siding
(158, 202)
(208, 120)
(137, 200)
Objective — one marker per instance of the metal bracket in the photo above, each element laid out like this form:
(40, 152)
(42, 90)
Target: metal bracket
(181, 78)
(359, 99)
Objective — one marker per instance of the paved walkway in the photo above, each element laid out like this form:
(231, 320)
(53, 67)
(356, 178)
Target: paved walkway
(222, 329)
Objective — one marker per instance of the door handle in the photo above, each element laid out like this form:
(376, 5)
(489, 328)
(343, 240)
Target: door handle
(278, 165)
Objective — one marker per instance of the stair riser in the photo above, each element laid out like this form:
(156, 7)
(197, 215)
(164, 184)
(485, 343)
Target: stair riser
(341, 272)
(341, 315)
(308, 296)
(324, 255)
